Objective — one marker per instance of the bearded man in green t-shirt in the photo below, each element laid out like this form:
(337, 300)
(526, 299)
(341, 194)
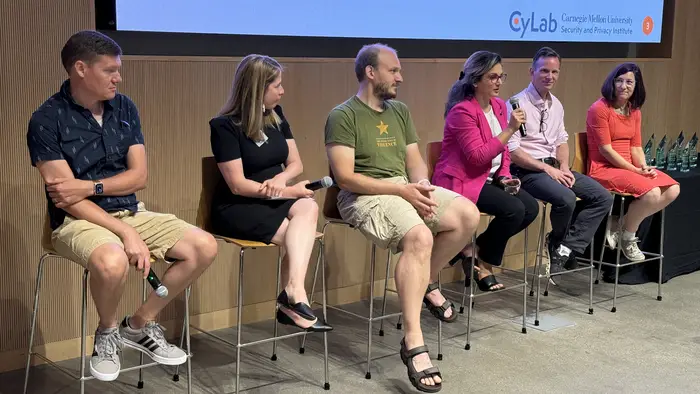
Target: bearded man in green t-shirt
(372, 147)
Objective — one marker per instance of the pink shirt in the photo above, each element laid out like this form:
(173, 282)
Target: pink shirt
(540, 142)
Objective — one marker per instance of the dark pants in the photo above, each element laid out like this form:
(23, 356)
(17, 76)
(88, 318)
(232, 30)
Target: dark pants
(512, 214)
(574, 231)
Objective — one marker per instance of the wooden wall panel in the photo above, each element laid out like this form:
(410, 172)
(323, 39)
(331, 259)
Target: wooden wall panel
(176, 98)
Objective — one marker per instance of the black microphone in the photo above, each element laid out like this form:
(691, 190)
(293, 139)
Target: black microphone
(322, 183)
(153, 280)
(516, 104)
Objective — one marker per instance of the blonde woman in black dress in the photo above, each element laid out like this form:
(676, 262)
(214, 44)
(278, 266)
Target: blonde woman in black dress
(257, 156)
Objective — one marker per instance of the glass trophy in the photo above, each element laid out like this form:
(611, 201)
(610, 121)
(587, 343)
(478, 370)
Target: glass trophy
(674, 153)
(660, 154)
(683, 153)
(693, 151)
(648, 147)
(671, 157)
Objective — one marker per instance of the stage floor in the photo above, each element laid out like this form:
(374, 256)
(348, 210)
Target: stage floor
(646, 347)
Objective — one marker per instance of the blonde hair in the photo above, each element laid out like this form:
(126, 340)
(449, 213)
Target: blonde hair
(245, 102)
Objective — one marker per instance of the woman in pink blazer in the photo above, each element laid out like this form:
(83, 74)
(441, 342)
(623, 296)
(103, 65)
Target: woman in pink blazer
(475, 162)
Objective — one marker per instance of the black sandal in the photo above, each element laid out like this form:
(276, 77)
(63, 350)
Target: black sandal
(486, 283)
(415, 376)
(439, 311)
(466, 266)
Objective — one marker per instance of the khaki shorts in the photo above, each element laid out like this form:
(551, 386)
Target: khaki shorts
(385, 219)
(77, 239)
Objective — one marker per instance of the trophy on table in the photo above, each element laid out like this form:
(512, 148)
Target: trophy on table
(674, 153)
(648, 147)
(683, 153)
(660, 161)
(693, 151)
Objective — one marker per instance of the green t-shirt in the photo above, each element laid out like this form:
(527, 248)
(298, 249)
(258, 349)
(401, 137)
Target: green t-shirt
(379, 138)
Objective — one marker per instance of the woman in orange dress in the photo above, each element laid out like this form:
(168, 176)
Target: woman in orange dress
(616, 158)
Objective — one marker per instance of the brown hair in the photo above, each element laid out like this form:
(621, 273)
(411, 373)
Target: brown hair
(245, 102)
(86, 46)
(639, 95)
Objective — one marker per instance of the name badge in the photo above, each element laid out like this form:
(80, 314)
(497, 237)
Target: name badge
(264, 140)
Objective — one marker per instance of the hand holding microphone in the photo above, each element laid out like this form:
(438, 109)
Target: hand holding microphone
(306, 189)
(322, 183)
(517, 117)
(153, 280)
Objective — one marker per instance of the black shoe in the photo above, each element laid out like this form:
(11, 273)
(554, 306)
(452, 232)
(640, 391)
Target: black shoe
(559, 262)
(300, 308)
(571, 263)
(318, 326)
(556, 260)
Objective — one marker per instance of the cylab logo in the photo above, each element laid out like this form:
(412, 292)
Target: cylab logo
(521, 24)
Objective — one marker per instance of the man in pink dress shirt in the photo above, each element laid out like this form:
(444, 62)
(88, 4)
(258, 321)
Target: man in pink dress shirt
(541, 161)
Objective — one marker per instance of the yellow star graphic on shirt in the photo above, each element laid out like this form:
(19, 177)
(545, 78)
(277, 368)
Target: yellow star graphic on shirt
(382, 128)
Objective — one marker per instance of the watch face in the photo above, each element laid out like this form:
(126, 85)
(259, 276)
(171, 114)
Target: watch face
(98, 188)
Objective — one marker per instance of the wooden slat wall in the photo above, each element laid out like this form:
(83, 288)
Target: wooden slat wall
(176, 98)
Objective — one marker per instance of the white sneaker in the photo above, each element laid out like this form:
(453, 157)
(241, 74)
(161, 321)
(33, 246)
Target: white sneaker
(105, 363)
(151, 340)
(631, 250)
(611, 238)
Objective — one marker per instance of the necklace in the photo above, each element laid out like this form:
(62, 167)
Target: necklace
(623, 110)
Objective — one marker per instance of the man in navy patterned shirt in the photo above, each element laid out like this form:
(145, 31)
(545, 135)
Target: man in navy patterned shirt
(87, 143)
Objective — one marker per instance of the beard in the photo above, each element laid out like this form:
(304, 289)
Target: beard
(383, 91)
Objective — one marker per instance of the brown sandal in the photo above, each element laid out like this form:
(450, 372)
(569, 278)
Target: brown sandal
(415, 376)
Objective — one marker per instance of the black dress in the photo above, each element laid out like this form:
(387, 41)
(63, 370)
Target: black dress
(254, 219)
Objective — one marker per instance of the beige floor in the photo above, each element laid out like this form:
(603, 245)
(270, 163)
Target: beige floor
(646, 347)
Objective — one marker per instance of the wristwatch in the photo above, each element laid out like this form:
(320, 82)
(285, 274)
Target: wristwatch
(99, 188)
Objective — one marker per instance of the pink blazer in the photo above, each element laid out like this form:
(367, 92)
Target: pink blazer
(468, 147)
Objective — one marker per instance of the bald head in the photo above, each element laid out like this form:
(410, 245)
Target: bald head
(372, 55)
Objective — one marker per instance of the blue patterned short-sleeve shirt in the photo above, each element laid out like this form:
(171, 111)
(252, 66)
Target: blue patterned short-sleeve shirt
(61, 129)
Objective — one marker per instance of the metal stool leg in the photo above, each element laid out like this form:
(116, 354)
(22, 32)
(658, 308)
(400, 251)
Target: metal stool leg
(468, 346)
(143, 298)
(661, 253)
(619, 249)
(602, 246)
(439, 356)
(540, 256)
(524, 330)
(279, 272)
(322, 261)
(302, 347)
(32, 327)
(398, 322)
(188, 291)
(386, 287)
(83, 336)
(185, 340)
(464, 293)
(239, 321)
(590, 290)
(368, 375)
(176, 375)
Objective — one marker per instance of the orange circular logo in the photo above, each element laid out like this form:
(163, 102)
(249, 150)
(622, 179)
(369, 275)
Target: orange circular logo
(647, 25)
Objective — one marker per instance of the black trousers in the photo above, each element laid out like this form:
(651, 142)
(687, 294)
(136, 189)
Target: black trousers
(512, 214)
(571, 227)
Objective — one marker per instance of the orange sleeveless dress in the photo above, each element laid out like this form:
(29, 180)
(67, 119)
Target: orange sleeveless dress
(605, 126)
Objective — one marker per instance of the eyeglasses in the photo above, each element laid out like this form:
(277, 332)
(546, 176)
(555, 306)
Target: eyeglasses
(627, 82)
(544, 115)
(495, 77)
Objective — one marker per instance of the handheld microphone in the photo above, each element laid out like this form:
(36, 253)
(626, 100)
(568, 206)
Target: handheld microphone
(158, 287)
(516, 104)
(322, 183)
